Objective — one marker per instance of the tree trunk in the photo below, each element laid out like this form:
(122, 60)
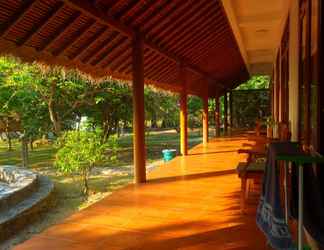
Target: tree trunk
(24, 152)
(9, 142)
(51, 109)
(117, 128)
(154, 121)
(31, 146)
(85, 183)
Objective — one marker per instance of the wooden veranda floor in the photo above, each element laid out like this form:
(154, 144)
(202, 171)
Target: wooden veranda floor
(190, 203)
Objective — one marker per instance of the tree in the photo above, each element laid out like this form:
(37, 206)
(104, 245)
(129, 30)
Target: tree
(194, 112)
(161, 106)
(256, 82)
(78, 152)
(111, 108)
(19, 102)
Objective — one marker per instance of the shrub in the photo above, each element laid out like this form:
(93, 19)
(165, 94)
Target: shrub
(78, 152)
(113, 146)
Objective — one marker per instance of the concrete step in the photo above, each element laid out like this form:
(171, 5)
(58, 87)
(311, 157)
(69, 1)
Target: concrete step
(27, 210)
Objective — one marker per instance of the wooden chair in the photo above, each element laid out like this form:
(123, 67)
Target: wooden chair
(253, 168)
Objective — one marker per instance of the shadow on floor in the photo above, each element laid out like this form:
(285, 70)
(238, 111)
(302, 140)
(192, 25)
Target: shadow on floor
(191, 176)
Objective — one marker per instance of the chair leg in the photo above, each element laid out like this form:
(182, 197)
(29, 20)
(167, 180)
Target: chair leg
(247, 189)
(243, 191)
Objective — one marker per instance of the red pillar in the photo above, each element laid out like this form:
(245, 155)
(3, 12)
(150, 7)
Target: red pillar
(138, 110)
(231, 110)
(225, 114)
(183, 124)
(183, 114)
(217, 117)
(205, 120)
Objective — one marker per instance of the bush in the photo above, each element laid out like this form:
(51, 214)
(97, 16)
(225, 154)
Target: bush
(113, 146)
(78, 152)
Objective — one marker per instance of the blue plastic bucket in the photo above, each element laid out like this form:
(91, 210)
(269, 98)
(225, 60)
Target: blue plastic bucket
(168, 154)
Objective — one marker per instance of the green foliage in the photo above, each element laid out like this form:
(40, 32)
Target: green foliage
(78, 152)
(19, 99)
(248, 106)
(256, 82)
(113, 147)
(161, 106)
(195, 106)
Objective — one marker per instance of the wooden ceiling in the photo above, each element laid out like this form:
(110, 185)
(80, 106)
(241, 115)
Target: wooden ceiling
(96, 37)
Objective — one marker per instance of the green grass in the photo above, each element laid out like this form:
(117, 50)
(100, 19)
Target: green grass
(43, 156)
(67, 188)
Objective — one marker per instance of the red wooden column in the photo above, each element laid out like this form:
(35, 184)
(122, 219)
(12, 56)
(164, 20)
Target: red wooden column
(138, 110)
(183, 114)
(231, 110)
(205, 120)
(225, 114)
(217, 117)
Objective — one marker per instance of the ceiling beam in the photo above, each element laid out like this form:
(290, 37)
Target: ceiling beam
(6, 27)
(111, 40)
(76, 38)
(196, 34)
(125, 9)
(90, 42)
(37, 28)
(89, 9)
(233, 22)
(62, 31)
(177, 21)
(194, 13)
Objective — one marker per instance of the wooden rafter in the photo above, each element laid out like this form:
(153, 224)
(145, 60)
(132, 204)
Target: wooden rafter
(144, 8)
(62, 31)
(36, 28)
(125, 67)
(110, 41)
(202, 56)
(212, 44)
(89, 9)
(159, 77)
(154, 13)
(93, 40)
(188, 49)
(166, 67)
(198, 40)
(194, 13)
(152, 60)
(191, 36)
(126, 9)
(115, 53)
(161, 17)
(152, 71)
(168, 73)
(16, 18)
(193, 30)
(148, 59)
(199, 34)
(118, 62)
(108, 5)
(76, 38)
(109, 52)
(170, 20)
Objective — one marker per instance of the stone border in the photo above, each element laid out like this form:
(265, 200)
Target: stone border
(33, 194)
(20, 183)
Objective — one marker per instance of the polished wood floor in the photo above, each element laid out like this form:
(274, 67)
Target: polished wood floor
(189, 203)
